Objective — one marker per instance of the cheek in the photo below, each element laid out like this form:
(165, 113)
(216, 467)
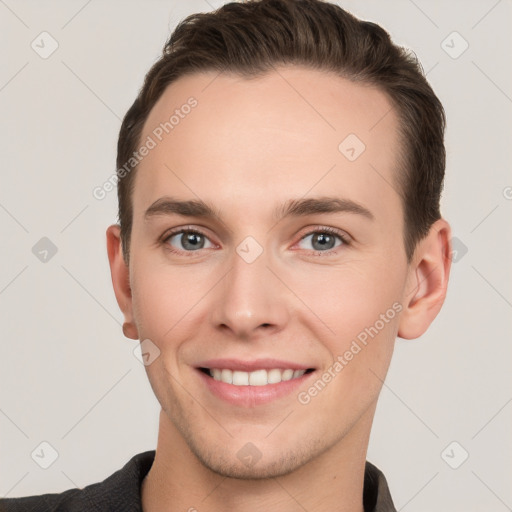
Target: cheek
(149, 301)
(351, 298)
(365, 323)
(164, 296)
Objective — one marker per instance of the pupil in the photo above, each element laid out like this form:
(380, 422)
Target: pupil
(323, 238)
(189, 239)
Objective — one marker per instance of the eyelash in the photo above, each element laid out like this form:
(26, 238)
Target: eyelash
(319, 229)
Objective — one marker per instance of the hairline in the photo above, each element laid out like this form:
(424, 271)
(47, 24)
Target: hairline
(400, 170)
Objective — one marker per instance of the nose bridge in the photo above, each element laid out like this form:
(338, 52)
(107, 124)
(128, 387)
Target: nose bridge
(250, 296)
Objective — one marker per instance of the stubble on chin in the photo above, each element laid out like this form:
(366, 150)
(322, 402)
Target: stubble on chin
(230, 460)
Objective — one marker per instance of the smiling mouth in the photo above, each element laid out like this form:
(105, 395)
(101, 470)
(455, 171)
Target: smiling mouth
(255, 378)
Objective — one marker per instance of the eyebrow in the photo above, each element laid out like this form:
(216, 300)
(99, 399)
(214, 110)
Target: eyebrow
(292, 208)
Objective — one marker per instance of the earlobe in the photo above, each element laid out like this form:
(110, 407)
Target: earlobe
(427, 283)
(121, 280)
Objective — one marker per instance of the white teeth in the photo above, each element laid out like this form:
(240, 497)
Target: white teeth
(240, 378)
(287, 375)
(256, 378)
(226, 376)
(274, 376)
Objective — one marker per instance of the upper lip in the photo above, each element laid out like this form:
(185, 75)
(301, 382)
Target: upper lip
(249, 366)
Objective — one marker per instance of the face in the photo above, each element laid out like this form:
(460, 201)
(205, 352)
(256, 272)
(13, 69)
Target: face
(298, 278)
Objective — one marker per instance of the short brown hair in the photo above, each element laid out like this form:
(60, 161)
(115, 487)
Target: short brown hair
(253, 37)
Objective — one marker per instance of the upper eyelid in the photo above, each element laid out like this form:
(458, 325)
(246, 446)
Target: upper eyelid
(179, 231)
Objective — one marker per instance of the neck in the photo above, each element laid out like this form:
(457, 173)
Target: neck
(333, 480)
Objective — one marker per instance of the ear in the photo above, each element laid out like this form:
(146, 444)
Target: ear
(120, 273)
(427, 281)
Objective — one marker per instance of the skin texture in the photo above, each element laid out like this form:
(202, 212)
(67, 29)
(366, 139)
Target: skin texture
(248, 146)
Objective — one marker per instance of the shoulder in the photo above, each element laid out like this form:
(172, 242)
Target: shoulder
(71, 499)
(120, 491)
(376, 495)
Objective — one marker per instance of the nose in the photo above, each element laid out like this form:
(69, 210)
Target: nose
(251, 301)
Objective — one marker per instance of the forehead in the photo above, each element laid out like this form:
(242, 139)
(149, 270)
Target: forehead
(247, 142)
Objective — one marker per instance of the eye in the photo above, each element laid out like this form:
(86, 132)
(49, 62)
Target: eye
(323, 240)
(186, 240)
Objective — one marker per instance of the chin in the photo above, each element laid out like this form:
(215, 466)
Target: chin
(258, 471)
(250, 463)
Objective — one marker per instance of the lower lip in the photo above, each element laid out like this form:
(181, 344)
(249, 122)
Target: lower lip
(249, 396)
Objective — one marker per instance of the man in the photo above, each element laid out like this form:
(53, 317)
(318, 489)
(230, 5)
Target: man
(279, 181)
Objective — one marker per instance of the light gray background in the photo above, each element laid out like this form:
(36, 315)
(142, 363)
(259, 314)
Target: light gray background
(68, 375)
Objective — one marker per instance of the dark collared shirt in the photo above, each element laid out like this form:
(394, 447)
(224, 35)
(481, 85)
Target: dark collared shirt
(121, 492)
